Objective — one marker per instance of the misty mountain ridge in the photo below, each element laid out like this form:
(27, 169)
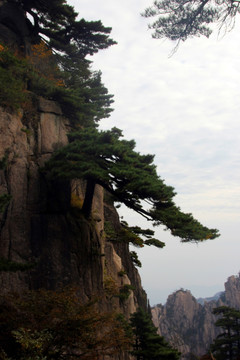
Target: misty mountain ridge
(188, 323)
(211, 298)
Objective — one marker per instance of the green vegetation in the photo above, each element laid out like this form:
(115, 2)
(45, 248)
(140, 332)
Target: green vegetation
(47, 325)
(148, 345)
(57, 69)
(8, 265)
(113, 290)
(134, 235)
(131, 235)
(13, 71)
(103, 158)
(227, 344)
(125, 292)
(84, 101)
(180, 19)
(4, 162)
(43, 325)
(60, 59)
(135, 259)
(82, 96)
(57, 21)
(121, 273)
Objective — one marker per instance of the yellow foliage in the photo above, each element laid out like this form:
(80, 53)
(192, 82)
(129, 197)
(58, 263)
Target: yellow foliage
(76, 201)
(110, 286)
(59, 325)
(42, 59)
(41, 50)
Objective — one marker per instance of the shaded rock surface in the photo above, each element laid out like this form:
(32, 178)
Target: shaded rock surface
(42, 224)
(188, 325)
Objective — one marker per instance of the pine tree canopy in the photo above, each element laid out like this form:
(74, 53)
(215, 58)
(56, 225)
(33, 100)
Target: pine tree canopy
(57, 53)
(99, 157)
(57, 21)
(181, 19)
(102, 157)
(85, 100)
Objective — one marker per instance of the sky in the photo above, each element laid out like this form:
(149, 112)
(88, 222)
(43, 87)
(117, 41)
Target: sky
(185, 109)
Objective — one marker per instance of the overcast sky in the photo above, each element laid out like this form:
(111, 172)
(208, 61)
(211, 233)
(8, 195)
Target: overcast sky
(185, 109)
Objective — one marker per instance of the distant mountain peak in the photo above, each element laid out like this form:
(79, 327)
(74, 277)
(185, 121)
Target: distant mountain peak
(188, 323)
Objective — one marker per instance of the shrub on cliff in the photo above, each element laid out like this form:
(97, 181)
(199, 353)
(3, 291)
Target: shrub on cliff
(56, 325)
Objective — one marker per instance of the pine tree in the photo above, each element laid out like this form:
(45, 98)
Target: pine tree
(101, 157)
(179, 20)
(148, 345)
(57, 66)
(57, 22)
(227, 344)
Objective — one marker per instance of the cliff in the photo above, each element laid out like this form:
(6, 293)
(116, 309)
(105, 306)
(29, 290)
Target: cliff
(187, 324)
(42, 225)
(41, 222)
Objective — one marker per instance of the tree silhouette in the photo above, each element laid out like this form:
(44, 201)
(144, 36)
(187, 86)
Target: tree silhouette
(227, 344)
(179, 20)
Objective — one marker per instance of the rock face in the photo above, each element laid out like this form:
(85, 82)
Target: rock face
(42, 223)
(232, 291)
(188, 325)
(43, 226)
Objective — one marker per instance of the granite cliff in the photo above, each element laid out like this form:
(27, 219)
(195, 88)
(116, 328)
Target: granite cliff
(41, 223)
(187, 324)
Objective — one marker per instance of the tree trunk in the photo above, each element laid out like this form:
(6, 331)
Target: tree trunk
(87, 204)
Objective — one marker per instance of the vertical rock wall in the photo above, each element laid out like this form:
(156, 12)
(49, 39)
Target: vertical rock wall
(42, 226)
